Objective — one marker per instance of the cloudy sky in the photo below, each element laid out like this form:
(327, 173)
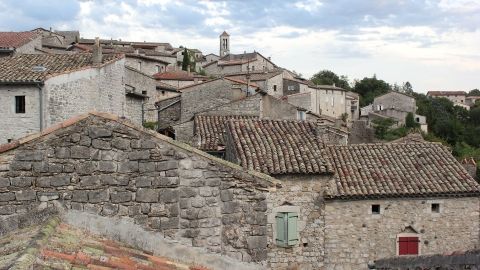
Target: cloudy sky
(434, 44)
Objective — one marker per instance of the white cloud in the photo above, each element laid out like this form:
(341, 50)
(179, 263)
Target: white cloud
(309, 5)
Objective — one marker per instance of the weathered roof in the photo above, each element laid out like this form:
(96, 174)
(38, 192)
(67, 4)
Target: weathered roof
(54, 244)
(213, 80)
(256, 76)
(278, 146)
(224, 34)
(446, 93)
(398, 170)
(210, 128)
(16, 39)
(20, 68)
(327, 87)
(145, 57)
(178, 75)
(413, 137)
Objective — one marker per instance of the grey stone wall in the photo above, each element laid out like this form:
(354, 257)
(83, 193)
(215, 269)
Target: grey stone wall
(274, 108)
(302, 100)
(367, 237)
(133, 109)
(292, 84)
(98, 89)
(16, 125)
(169, 111)
(144, 83)
(149, 67)
(250, 106)
(396, 101)
(30, 46)
(106, 168)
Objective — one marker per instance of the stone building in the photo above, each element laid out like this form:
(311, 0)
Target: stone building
(271, 81)
(224, 44)
(457, 97)
(332, 207)
(179, 78)
(238, 63)
(146, 64)
(38, 91)
(12, 43)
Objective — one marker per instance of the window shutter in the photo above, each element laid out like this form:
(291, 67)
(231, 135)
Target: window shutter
(292, 229)
(413, 246)
(281, 230)
(403, 245)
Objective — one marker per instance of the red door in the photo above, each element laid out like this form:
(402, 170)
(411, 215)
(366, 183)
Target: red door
(408, 245)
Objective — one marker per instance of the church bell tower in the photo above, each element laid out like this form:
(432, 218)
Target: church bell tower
(224, 44)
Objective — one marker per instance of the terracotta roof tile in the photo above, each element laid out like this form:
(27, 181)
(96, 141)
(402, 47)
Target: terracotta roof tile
(16, 39)
(278, 146)
(179, 75)
(210, 128)
(394, 169)
(20, 68)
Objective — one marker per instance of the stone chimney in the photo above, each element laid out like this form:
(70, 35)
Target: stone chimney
(470, 165)
(97, 52)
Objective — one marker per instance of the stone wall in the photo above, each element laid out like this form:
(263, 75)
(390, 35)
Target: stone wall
(133, 109)
(367, 237)
(149, 67)
(303, 195)
(144, 83)
(396, 101)
(16, 125)
(248, 106)
(275, 82)
(29, 48)
(107, 168)
(274, 108)
(302, 100)
(169, 111)
(99, 89)
(328, 102)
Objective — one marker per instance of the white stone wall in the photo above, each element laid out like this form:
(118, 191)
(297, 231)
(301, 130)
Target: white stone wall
(133, 109)
(13, 125)
(177, 83)
(328, 102)
(100, 89)
(29, 48)
(354, 236)
(272, 82)
(142, 83)
(395, 101)
(146, 66)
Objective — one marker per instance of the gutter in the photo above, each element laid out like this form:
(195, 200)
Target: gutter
(40, 89)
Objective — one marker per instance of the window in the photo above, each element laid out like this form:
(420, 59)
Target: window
(435, 208)
(301, 115)
(275, 87)
(163, 92)
(291, 87)
(159, 68)
(9, 140)
(253, 68)
(287, 234)
(19, 104)
(417, 119)
(144, 92)
(139, 65)
(375, 209)
(408, 245)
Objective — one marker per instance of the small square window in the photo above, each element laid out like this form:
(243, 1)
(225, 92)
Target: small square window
(144, 92)
(19, 104)
(435, 208)
(375, 209)
(9, 140)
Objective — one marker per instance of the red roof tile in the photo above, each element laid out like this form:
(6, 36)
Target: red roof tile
(16, 39)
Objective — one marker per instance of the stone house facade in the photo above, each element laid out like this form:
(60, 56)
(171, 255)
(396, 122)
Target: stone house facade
(346, 206)
(457, 97)
(144, 87)
(179, 78)
(270, 81)
(328, 100)
(38, 91)
(13, 43)
(146, 64)
(238, 63)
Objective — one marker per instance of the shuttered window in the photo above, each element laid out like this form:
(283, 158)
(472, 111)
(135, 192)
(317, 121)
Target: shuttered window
(286, 224)
(408, 245)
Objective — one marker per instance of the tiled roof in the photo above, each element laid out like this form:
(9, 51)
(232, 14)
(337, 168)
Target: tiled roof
(20, 68)
(278, 146)
(16, 39)
(179, 75)
(398, 170)
(446, 93)
(413, 137)
(326, 87)
(210, 128)
(213, 80)
(257, 76)
(55, 245)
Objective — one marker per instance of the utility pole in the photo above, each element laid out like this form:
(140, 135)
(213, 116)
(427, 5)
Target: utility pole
(248, 74)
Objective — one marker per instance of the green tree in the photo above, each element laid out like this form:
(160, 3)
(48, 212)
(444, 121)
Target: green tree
(369, 88)
(474, 92)
(328, 77)
(381, 126)
(475, 116)
(186, 60)
(407, 88)
(410, 121)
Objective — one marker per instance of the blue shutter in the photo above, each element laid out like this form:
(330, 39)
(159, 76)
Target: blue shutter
(281, 237)
(292, 229)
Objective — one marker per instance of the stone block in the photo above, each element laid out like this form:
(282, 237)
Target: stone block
(29, 155)
(205, 191)
(143, 181)
(109, 209)
(62, 152)
(92, 208)
(257, 242)
(139, 155)
(107, 155)
(147, 195)
(147, 144)
(99, 132)
(187, 192)
(256, 218)
(226, 195)
(85, 141)
(134, 210)
(20, 166)
(167, 165)
(213, 182)
(7, 196)
(86, 168)
(197, 202)
(157, 210)
(168, 195)
(80, 196)
(154, 223)
(21, 181)
(101, 144)
(186, 164)
(165, 181)
(191, 173)
(114, 180)
(145, 208)
(230, 207)
(4, 182)
(86, 181)
(60, 180)
(40, 167)
(80, 152)
(107, 166)
(68, 168)
(121, 197)
(26, 195)
(7, 209)
(96, 196)
(146, 166)
(121, 143)
(169, 223)
(128, 166)
(55, 168)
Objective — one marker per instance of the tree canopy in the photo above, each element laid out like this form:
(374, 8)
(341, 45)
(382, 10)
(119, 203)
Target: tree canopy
(186, 60)
(327, 77)
(369, 88)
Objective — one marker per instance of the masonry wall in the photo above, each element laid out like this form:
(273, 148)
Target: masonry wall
(99, 89)
(133, 109)
(106, 168)
(16, 125)
(169, 111)
(29, 48)
(302, 100)
(274, 108)
(328, 102)
(367, 237)
(143, 82)
(178, 83)
(303, 195)
(206, 96)
(396, 101)
(147, 66)
(272, 82)
(248, 106)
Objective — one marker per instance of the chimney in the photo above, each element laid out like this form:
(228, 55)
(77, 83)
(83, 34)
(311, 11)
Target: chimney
(470, 165)
(97, 52)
